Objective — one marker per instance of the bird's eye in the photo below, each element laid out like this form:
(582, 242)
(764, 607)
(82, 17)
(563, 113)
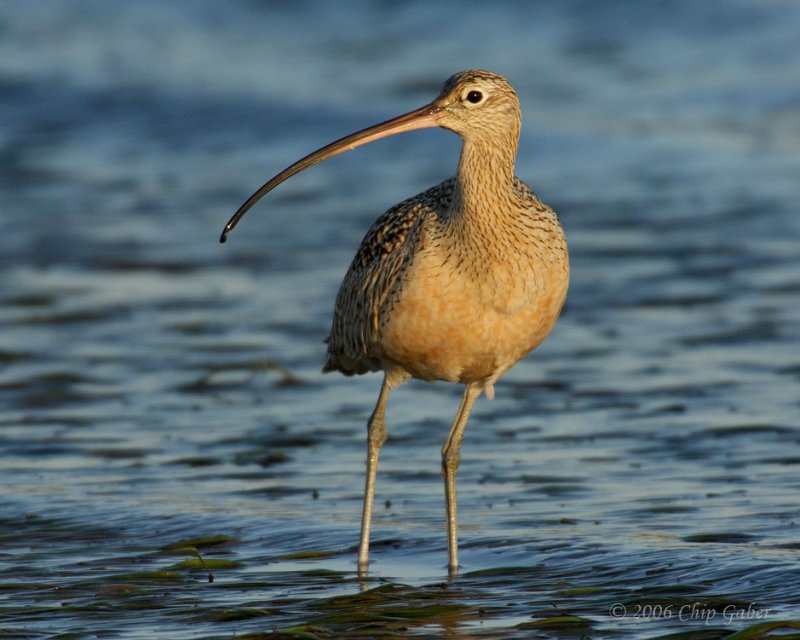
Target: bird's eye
(474, 97)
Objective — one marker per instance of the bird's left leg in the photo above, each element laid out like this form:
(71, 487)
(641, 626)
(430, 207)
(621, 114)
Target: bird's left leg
(451, 459)
(376, 436)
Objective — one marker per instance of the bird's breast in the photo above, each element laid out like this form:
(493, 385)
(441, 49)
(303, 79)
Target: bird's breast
(465, 322)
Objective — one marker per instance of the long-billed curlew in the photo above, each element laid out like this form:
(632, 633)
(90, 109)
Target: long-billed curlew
(457, 283)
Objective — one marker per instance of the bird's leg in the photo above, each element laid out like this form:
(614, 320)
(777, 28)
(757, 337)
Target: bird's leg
(376, 436)
(451, 459)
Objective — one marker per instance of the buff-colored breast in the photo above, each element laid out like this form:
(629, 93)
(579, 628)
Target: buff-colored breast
(461, 326)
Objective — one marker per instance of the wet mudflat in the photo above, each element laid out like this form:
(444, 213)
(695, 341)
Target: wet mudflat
(162, 414)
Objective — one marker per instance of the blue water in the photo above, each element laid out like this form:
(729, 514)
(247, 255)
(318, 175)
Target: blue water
(156, 385)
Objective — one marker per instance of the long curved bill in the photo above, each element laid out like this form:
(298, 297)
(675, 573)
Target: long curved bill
(427, 116)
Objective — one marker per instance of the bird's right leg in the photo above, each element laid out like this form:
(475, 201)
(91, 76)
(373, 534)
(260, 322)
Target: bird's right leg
(376, 436)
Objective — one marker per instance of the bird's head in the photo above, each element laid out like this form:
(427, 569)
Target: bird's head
(474, 104)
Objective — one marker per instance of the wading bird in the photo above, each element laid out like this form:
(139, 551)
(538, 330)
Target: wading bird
(457, 283)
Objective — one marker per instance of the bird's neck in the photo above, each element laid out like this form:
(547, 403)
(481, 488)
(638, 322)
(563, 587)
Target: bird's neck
(484, 185)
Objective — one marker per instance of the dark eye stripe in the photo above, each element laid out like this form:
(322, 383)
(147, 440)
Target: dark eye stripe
(474, 97)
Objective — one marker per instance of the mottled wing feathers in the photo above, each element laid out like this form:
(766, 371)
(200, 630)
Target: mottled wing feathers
(374, 277)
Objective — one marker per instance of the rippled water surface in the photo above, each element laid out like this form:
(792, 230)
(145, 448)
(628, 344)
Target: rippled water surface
(160, 395)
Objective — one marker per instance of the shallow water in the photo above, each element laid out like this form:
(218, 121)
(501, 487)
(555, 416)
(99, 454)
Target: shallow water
(157, 387)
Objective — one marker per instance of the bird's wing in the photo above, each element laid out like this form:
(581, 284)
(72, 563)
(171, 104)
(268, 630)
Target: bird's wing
(374, 276)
